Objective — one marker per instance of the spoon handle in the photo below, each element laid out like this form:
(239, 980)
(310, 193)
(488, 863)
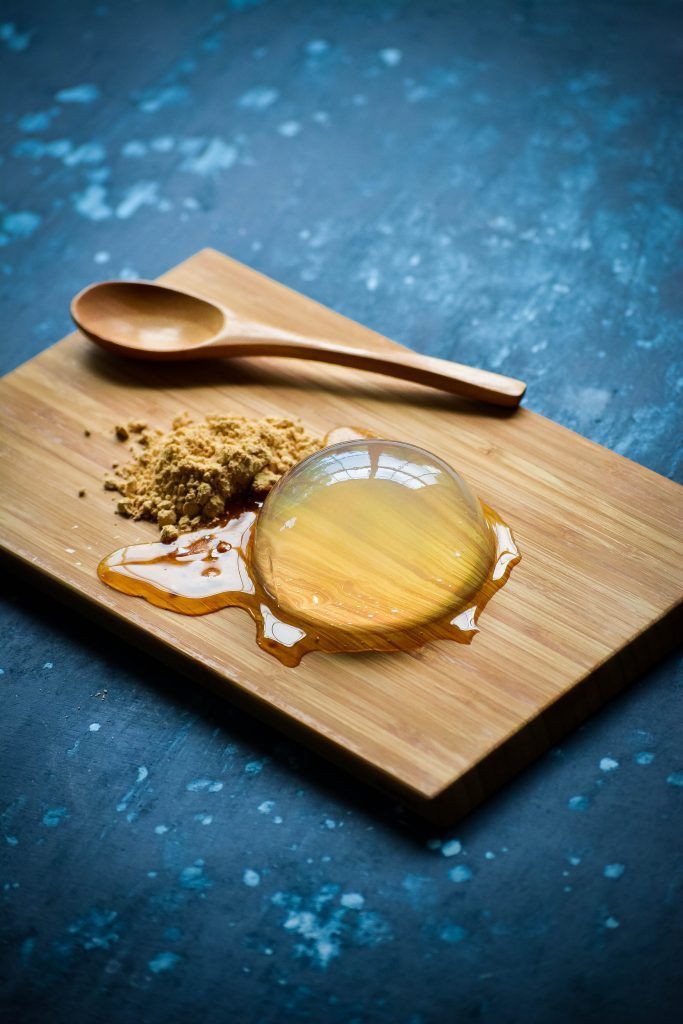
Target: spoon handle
(456, 378)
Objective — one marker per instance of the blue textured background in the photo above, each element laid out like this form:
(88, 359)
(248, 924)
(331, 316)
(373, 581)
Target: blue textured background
(499, 182)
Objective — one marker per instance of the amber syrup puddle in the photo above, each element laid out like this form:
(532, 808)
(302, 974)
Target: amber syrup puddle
(211, 568)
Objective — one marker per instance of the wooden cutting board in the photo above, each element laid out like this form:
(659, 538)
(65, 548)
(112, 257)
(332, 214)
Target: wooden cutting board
(594, 601)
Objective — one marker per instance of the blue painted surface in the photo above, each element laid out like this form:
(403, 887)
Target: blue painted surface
(499, 183)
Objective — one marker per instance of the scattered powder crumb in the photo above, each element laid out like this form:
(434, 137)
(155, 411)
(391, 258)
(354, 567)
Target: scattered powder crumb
(187, 477)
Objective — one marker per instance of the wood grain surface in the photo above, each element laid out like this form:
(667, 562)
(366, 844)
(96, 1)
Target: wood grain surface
(596, 598)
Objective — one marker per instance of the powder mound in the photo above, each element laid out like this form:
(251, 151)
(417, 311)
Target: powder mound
(188, 477)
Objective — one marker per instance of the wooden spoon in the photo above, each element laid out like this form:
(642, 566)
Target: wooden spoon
(144, 320)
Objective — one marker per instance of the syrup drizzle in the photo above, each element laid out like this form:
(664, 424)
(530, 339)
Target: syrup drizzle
(210, 569)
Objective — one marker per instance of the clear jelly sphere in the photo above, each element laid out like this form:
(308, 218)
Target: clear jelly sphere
(372, 536)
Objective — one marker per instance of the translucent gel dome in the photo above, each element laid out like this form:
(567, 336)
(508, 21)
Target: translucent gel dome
(372, 536)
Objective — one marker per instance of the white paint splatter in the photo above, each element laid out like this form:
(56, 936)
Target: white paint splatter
(92, 203)
(13, 39)
(608, 764)
(577, 803)
(611, 922)
(193, 877)
(614, 870)
(316, 47)
(251, 878)
(160, 830)
(644, 757)
(460, 873)
(289, 129)
(204, 784)
(255, 767)
(88, 153)
(102, 256)
(390, 56)
(134, 148)
(163, 962)
(352, 900)
(675, 779)
(259, 98)
(21, 224)
(78, 94)
(157, 99)
(38, 122)
(55, 816)
(203, 819)
(162, 144)
(140, 777)
(451, 848)
(215, 156)
(94, 727)
(320, 925)
(143, 193)
(372, 280)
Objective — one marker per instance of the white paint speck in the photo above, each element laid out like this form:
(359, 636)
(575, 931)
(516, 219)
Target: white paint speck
(613, 870)
(134, 148)
(611, 922)
(78, 94)
(289, 129)
(102, 256)
(251, 878)
(94, 727)
(352, 900)
(215, 156)
(143, 193)
(259, 98)
(451, 848)
(266, 807)
(608, 764)
(390, 56)
(460, 873)
(161, 829)
(198, 785)
(316, 47)
(92, 203)
(372, 280)
(163, 962)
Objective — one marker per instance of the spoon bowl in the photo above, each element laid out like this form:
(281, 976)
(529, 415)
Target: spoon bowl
(141, 316)
(144, 320)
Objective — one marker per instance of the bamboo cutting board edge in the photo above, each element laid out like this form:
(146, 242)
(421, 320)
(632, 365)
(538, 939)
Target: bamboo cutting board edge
(442, 807)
